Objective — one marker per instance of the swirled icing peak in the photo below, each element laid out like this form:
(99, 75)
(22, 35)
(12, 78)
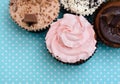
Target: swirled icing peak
(71, 39)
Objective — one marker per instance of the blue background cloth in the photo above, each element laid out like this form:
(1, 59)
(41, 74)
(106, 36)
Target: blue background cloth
(24, 59)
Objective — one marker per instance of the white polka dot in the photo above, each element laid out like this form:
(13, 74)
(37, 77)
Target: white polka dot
(24, 57)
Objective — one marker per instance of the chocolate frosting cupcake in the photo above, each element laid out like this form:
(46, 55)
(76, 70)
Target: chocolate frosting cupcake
(107, 23)
(34, 15)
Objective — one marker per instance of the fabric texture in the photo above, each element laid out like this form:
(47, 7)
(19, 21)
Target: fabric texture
(24, 59)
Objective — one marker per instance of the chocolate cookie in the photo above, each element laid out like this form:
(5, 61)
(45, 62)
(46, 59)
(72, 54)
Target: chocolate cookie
(107, 23)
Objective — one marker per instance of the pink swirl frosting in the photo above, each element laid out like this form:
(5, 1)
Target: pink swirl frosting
(71, 39)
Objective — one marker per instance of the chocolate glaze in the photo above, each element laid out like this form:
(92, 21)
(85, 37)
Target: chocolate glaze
(108, 23)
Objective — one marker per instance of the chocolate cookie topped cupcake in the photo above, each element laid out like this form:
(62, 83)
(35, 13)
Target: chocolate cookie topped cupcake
(107, 23)
(82, 7)
(34, 15)
(71, 39)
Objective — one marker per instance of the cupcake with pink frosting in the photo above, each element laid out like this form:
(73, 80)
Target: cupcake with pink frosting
(71, 39)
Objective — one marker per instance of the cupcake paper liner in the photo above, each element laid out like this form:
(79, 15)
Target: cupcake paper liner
(76, 63)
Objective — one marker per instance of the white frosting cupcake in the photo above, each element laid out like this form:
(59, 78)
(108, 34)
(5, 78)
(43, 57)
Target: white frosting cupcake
(82, 7)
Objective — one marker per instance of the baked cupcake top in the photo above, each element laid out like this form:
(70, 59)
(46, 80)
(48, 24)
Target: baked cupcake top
(108, 23)
(71, 39)
(34, 15)
(82, 7)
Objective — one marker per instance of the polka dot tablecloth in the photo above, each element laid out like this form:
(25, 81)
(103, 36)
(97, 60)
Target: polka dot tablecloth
(24, 59)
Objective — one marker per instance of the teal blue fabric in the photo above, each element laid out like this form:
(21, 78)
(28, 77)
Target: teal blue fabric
(24, 59)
